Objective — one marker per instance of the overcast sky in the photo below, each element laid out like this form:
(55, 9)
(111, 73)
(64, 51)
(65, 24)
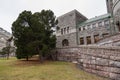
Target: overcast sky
(10, 9)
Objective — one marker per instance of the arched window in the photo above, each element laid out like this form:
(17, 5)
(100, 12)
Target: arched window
(65, 42)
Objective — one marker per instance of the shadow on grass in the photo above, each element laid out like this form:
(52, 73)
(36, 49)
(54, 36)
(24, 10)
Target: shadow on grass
(36, 62)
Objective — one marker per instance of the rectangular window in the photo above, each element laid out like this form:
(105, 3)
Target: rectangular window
(62, 31)
(106, 23)
(79, 29)
(82, 41)
(83, 28)
(89, 40)
(100, 24)
(67, 29)
(88, 26)
(105, 34)
(94, 25)
(96, 38)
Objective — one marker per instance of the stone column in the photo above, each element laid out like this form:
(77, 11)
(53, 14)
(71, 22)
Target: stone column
(85, 40)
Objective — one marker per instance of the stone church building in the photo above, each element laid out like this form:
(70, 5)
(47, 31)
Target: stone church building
(93, 44)
(76, 29)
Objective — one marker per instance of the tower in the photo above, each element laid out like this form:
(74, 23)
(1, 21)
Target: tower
(67, 32)
(109, 4)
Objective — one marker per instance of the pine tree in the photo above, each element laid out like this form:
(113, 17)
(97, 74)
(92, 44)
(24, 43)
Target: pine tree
(33, 34)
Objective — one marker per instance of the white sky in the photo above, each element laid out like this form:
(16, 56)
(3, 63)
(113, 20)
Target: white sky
(10, 9)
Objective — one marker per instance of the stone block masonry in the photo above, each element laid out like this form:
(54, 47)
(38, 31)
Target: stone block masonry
(101, 60)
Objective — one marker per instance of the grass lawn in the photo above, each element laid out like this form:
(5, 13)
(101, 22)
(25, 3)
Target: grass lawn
(14, 69)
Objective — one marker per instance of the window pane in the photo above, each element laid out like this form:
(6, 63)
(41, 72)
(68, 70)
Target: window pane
(96, 38)
(82, 41)
(94, 25)
(100, 24)
(88, 26)
(67, 29)
(83, 28)
(62, 31)
(79, 29)
(89, 40)
(65, 42)
(106, 23)
(105, 34)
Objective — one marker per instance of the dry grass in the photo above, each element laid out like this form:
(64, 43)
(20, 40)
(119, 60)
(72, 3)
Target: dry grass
(32, 70)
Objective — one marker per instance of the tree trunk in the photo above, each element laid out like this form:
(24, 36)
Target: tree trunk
(7, 56)
(27, 58)
(41, 58)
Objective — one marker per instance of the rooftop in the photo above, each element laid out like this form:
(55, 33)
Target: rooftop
(95, 19)
(73, 11)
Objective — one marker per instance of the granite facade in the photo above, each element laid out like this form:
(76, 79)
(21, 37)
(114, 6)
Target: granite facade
(71, 29)
(67, 28)
(99, 26)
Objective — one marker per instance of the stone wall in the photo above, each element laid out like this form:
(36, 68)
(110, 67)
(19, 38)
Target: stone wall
(100, 60)
(113, 40)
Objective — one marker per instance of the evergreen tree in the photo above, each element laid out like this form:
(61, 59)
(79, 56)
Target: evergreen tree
(33, 34)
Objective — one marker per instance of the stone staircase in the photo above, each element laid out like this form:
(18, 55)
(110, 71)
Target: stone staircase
(113, 40)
